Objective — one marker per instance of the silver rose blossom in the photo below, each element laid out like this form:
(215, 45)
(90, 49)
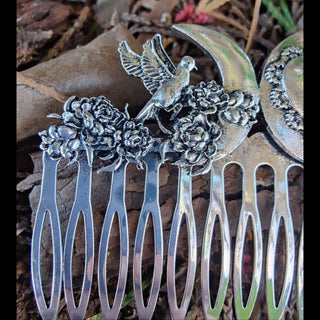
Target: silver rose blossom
(194, 137)
(135, 142)
(96, 125)
(209, 98)
(206, 97)
(242, 108)
(60, 141)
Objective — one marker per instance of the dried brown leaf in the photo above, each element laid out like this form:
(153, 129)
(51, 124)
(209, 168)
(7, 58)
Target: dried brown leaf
(29, 42)
(105, 8)
(207, 6)
(92, 70)
(44, 15)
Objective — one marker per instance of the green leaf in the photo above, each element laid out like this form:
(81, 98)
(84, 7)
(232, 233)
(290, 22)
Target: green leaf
(130, 296)
(284, 17)
(286, 11)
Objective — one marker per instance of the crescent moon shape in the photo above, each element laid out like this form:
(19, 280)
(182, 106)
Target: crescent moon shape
(236, 72)
(234, 65)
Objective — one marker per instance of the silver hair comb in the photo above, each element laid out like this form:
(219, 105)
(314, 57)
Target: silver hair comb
(208, 128)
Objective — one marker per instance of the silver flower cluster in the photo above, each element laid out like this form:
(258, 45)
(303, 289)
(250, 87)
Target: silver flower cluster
(206, 97)
(194, 137)
(242, 108)
(94, 124)
(210, 98)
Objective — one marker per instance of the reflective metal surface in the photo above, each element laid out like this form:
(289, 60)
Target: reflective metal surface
(82, 205)
(150, 209)
(47, 205)
(281, 94)
(216, 214)
(237, 74)
(300, 274)
(116, 206)
(271, 155)
(183, 208)
(210, 134)
(281, 210)
(249, 210)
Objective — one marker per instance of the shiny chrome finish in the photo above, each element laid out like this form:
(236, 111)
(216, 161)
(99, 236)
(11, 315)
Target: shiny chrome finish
(250, 159)
(82, 204)
(216, 211)
(183, 207)
(281, 93)
(116, 206)
(281, 210)
(150, 207)
(237, 75)
(235, 67)
(47, 205)
(257, 150)
(249, 210)
(217, 119)
(300, 272)
(158, 74)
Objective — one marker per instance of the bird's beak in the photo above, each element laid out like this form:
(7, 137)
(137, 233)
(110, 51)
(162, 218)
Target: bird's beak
(195, 67)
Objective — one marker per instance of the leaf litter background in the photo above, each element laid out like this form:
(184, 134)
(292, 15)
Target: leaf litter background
(69, 47)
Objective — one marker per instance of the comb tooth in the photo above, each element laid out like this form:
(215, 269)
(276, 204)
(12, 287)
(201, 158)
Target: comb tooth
(116, 205)
(183, 207)
(300, 303)
(48, 205)
(150, 206)
(249, 209)
(81, 204)
(216, 209)
(281, 209)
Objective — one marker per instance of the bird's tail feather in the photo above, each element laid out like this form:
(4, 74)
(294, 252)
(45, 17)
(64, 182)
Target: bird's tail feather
(147, 111)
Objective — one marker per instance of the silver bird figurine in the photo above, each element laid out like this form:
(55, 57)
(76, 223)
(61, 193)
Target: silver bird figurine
(158, 74)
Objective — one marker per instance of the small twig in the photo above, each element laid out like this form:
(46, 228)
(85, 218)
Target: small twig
(254, 24)
(78, 24)
(222, 17)
(129, 17)
(42, 88)
(207, 6)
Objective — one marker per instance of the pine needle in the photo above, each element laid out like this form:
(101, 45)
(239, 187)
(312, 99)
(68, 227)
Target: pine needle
(284, 19)
(254, 24)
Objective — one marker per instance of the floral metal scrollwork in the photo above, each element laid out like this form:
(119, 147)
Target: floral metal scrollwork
(95, 125)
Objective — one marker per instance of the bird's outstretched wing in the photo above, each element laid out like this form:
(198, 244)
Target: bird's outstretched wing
(153, 66)
(161, 53)
(130, 60)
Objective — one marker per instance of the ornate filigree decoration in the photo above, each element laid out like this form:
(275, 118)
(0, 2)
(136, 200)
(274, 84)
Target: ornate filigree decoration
(96, 126)
(279, 98)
